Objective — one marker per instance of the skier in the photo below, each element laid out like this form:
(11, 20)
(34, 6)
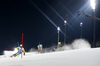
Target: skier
(60, 45)
(20, 50)
(39, 48)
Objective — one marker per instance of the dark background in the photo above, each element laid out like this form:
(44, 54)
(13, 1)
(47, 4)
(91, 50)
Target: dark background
(27, 16)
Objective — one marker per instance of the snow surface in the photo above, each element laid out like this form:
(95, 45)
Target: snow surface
(79, 57)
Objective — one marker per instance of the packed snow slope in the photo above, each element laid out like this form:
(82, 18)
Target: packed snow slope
(80, 57)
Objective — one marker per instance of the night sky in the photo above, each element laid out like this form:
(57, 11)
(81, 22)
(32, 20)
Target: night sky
(39, 19)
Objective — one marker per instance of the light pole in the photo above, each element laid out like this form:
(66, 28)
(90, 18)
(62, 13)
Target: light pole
(93, 7)
(65, 31)
(81, 28)
(58, 33)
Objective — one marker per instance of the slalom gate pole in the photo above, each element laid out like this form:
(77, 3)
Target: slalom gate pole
(22, 46)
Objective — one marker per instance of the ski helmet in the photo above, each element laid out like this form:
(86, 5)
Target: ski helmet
(20, 45)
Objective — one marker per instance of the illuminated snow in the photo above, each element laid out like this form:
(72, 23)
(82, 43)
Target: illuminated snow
(80, 57)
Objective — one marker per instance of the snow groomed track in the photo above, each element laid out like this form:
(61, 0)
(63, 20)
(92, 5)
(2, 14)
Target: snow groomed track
(81, 57)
